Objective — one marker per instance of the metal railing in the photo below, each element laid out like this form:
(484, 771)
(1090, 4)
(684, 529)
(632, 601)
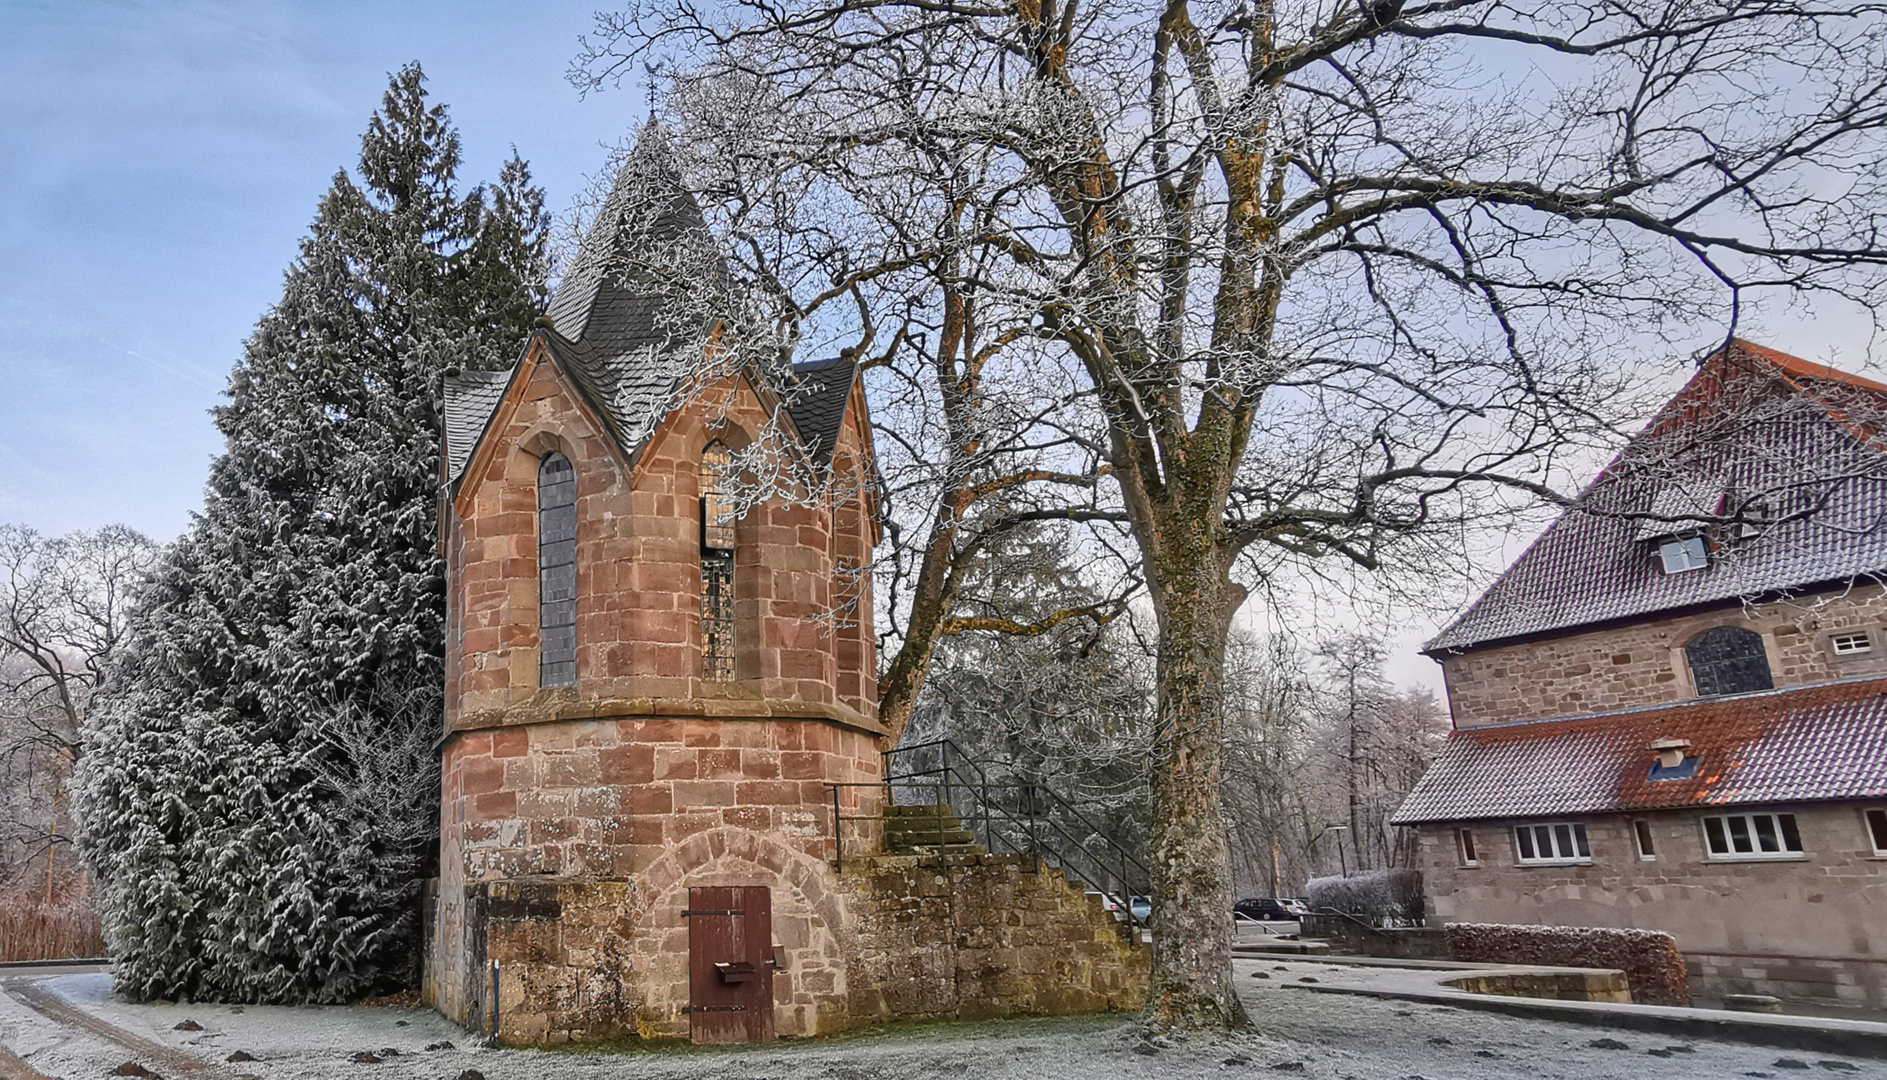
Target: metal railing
(1018, 817)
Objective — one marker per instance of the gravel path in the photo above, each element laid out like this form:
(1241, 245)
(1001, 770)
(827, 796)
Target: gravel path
(1296, 1034)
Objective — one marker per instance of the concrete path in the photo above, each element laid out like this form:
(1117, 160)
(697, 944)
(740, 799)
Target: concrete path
(1426, 982)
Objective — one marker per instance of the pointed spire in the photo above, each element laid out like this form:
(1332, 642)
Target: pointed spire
(648, 215)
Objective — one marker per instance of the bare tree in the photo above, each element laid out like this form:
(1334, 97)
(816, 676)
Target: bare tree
(1269, 792)
(1318, 756)
(62, 613)
(1337, 277)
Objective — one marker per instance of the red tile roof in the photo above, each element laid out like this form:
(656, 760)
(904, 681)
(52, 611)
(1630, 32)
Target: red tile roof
(1595, 565)
(1803, 744)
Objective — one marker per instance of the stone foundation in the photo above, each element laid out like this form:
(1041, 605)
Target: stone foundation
(962, 936)
(1852, 982)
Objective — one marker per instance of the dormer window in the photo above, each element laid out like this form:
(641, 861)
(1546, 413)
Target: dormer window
(1681, 553)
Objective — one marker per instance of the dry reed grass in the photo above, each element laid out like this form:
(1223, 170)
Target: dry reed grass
(32, 931)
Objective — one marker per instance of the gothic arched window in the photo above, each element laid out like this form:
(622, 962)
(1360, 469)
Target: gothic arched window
(717, 567)
(556, 572)
(1728, 660)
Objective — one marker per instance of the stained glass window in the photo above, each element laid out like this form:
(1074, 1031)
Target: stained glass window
(1728, 660)
(556, 572)
(717, 567)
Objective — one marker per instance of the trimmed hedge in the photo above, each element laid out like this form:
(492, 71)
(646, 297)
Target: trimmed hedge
(1649, 958)
(1376, 896)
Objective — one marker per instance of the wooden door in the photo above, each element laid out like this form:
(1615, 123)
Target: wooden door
(730, 981)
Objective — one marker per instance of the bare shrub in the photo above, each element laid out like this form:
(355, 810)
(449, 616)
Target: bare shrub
(1380, 896)
(1649, 958)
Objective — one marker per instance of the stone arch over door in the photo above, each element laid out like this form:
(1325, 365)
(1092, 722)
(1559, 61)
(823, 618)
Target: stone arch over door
(808, 922)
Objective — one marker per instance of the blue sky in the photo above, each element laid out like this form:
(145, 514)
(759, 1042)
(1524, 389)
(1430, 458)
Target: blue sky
(159, 163)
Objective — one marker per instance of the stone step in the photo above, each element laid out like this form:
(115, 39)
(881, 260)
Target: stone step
(946, 849)
(928, 810)
(928, 837)
(912, 824)
(1276, 946)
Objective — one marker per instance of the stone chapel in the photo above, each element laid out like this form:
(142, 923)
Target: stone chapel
(657, 733)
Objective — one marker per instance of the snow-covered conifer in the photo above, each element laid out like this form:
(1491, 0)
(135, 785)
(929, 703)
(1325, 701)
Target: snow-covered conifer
(286, 656)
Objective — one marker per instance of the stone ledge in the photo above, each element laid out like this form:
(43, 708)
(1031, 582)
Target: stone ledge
(553, 707)
(1859, 1038)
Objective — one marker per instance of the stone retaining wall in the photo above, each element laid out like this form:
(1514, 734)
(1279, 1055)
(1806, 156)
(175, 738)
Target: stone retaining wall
(972, 936)
(891, 937)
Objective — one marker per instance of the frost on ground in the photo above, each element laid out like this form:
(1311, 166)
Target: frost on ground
(1296, 1034)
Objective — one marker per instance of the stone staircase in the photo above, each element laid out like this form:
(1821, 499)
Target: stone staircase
(931, 829)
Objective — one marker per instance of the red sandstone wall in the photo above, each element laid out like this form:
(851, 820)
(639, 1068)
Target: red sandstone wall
(645, 778)
(627, 801)
(638, 566)
(1643, 664)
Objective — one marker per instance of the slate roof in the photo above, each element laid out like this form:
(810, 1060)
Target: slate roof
(1806, 744)
(1599, 562)
(470, 399)
(610, 324)
(816, 403)
(610, 319)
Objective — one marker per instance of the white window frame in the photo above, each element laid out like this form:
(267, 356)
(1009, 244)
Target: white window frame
(1566, 838)
(1751, 831)
(1858, 643)
(1869, 816)
(1465, 851)
(1682, 554)
(1641, 832)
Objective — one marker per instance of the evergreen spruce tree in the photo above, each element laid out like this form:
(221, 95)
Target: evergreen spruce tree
(260, 795)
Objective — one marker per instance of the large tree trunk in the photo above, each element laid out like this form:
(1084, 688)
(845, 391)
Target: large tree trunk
(1191, 985)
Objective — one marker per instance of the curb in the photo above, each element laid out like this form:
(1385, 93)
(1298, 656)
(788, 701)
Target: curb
(1781, 1032)
(70, 961)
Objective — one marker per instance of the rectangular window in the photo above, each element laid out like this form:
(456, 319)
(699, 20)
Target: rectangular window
(1683, 553)
(1877, 830)
(1553, 843)
(1641, 831)
(1464, 847)
(1851, 644)
(717, 615)
(1752, 836)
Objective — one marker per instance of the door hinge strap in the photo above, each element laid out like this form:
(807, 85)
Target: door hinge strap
(691, 912)
(713, 1008)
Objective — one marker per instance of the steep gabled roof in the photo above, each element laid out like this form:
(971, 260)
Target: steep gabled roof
(470, 399)
(1806, 744)
(1599, 562)
(816, 403)
(611, 325)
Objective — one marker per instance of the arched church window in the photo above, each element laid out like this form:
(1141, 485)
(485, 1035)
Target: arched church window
(556, 572)
(717, 567)
(1728, 660)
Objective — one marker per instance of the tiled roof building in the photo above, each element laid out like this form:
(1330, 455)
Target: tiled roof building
(1671, 711)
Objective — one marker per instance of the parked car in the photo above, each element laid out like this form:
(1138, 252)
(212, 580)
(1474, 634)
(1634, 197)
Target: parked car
(1141, 907)
(1267, 908)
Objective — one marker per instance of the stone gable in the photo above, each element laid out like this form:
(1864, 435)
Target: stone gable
(1643, 663)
